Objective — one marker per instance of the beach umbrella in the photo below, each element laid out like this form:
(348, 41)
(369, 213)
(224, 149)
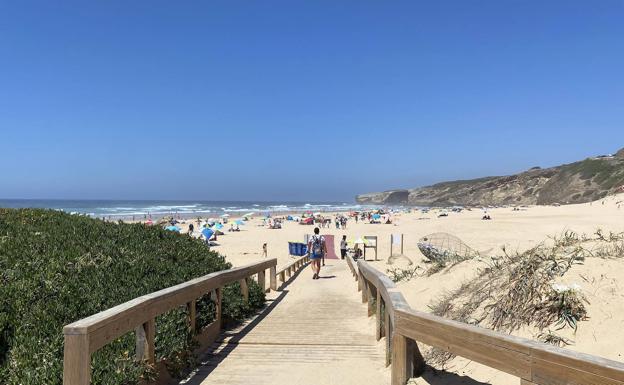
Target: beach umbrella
(360, 241)
(376, 216)
(239, 222)
(317, 214)
(248, 215)
(173, 228)
(225, 216)
(218, 226)
(207, 233)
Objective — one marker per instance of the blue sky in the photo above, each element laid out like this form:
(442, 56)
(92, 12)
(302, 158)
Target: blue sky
(299, 100)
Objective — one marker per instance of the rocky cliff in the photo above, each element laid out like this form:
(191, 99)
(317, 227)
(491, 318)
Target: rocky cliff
(583, 181)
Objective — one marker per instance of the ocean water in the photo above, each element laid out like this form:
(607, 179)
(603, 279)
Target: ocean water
(138, 209)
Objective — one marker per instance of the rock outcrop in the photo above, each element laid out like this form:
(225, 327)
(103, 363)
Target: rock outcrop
(584, 181)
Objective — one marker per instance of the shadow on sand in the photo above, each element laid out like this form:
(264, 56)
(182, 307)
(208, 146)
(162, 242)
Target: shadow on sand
(442, 377)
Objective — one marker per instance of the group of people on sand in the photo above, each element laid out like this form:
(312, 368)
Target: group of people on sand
(341, 222)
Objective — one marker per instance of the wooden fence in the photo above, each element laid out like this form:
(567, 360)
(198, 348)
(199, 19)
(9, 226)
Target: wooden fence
(533, 362)
(86, 336)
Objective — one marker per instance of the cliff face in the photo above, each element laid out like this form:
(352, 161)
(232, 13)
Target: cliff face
(578, 182)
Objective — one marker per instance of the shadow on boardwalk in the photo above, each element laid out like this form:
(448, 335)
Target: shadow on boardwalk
(209, 361)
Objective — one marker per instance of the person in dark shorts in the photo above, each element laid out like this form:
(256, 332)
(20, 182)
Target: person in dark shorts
(316, 251)
(343, 247)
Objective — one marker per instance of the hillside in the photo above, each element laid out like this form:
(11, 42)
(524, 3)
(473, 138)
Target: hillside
(578, 182)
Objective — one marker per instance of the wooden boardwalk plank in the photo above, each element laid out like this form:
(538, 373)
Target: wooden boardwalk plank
(313, 332)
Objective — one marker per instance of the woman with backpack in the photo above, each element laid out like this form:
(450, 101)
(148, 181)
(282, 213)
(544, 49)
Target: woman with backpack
(316, 251)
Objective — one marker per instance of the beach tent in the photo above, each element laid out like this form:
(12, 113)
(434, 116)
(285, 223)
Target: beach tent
(208, 233)
(173, 228)
(239, 222)
(217, 226)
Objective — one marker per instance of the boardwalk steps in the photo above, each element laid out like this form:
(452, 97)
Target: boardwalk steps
(313, 327)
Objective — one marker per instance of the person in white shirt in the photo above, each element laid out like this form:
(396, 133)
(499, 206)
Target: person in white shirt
(343, 247)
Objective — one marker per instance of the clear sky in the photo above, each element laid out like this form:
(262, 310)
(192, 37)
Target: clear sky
(299, 100)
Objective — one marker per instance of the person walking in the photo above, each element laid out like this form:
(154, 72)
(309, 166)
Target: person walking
(316, 251)
(264, 250)
(343, 247)
(191, 228)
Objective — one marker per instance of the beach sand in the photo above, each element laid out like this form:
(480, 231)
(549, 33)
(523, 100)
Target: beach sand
(601, 280)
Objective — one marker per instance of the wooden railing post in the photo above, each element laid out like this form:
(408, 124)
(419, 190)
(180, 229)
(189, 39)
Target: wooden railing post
(262, 281)
(364, 285)
(244, 289)
(273, 278)
(370, 297)
(402, 362)
(76, 360)
(217, 297)
(388, 332)
(145, 350)
(192, 316)
(378, 327)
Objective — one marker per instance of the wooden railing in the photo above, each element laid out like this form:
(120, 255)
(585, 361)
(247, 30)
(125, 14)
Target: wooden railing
(533, 362)
(287, 271)
(84, 337)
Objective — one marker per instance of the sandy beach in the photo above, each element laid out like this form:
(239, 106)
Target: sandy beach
(601, 280)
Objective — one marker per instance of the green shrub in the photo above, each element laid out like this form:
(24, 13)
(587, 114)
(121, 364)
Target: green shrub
(56, 268)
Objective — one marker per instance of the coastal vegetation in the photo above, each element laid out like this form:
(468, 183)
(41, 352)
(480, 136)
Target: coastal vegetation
(523, 289)
(56, 268)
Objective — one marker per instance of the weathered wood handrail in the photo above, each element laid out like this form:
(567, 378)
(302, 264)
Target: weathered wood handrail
(533, 362)
(84, 337)
(287, 271)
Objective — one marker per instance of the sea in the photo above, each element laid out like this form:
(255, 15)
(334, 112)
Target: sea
(141, 209)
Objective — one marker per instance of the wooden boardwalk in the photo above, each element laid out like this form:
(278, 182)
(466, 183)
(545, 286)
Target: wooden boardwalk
(312, 332)
(318, 332)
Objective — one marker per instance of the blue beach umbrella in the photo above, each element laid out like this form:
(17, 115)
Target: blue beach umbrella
(239, 222)
(376, 216)
(207, 233)
(173, 228)
(218, 226)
